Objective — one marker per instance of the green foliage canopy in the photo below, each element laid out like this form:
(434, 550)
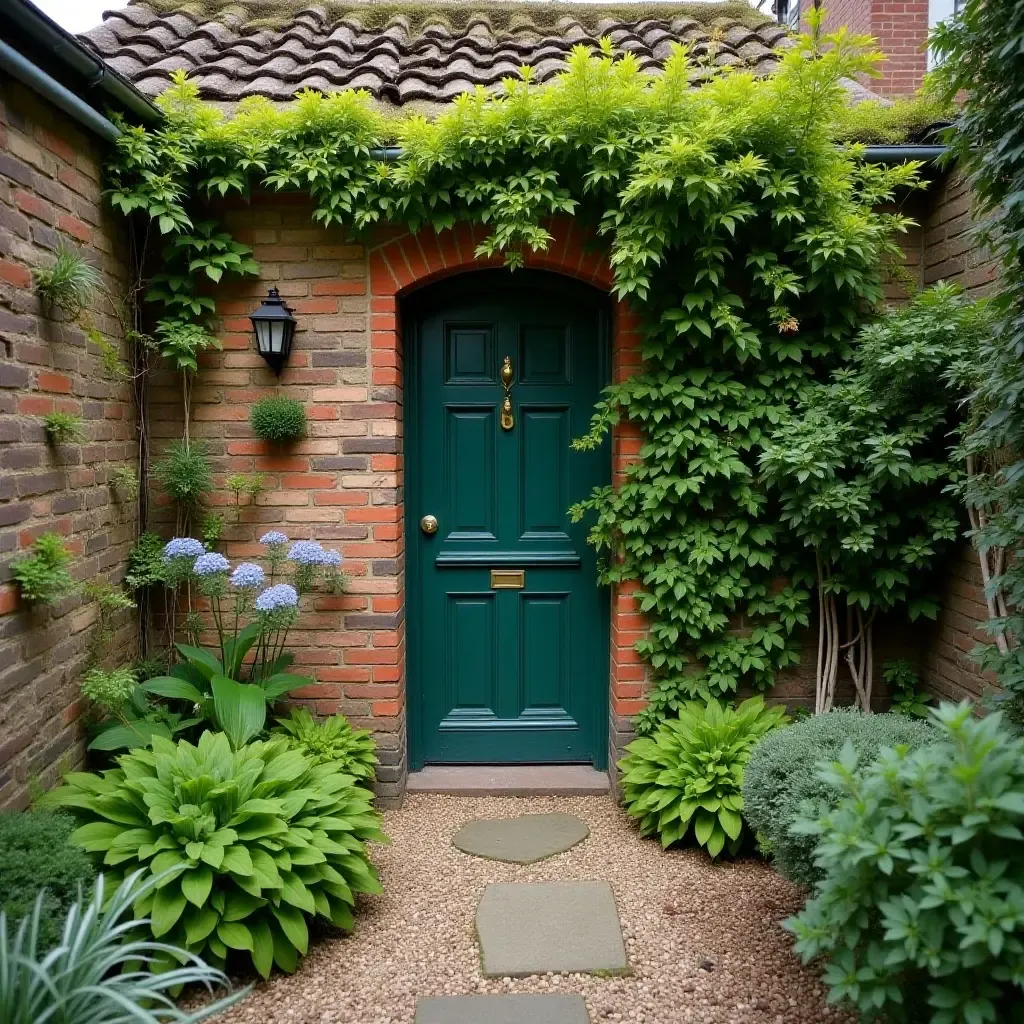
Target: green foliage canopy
(862, 463)
(748, 243)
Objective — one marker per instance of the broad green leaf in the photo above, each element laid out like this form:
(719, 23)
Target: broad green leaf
(241, 709)
(196, 885)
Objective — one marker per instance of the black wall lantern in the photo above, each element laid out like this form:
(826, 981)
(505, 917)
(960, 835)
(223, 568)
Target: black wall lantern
(275, 327)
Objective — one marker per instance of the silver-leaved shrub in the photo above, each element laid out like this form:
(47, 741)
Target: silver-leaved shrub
(689, 773)
(253, 842)
(920, 912)
(783, 773)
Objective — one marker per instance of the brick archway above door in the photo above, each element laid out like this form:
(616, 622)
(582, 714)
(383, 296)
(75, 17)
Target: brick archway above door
(399, 266)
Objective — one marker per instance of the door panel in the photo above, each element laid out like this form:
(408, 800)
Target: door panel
(502, 675)
(472, 495)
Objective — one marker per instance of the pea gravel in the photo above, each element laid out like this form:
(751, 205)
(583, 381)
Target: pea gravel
(703, 940)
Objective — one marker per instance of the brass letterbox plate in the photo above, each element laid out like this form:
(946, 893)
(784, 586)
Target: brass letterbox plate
(508, 579)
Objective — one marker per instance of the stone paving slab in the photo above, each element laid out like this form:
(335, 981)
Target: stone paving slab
(512, 1009)
(523, 840)
(510, 780)
(549, 927)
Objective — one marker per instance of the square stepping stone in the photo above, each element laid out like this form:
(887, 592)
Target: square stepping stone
(549, 927)
(523, 840)
(520, 1009)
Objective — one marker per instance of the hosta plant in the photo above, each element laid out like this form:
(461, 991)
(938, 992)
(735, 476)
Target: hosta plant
(98, 973)
(249, 844)
(332, 739)
(686, 778)
(920, 911)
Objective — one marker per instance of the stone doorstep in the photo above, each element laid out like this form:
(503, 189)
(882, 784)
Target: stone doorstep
(510, 1009)
(549, 928)
(509, 780)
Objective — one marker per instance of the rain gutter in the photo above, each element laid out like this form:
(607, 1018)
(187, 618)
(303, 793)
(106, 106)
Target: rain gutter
(75, 79)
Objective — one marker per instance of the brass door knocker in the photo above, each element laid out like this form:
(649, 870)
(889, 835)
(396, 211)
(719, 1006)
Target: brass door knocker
(507, 419)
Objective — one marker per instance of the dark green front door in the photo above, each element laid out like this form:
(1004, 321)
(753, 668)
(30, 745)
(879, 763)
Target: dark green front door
(508, 628)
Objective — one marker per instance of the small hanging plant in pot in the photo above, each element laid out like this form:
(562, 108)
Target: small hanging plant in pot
(278, 420)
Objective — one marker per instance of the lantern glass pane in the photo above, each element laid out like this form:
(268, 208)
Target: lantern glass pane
(263, 335)
(276, 335)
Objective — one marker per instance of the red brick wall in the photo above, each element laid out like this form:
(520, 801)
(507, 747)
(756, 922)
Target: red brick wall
(50, 188)
(854, 14)
(900, 28)
(949, 254)
(948, 670)
(343, 484)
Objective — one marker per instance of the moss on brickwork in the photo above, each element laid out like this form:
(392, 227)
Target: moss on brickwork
(503, 17)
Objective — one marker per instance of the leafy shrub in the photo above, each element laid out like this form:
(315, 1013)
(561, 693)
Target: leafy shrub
(278, 419)
(332, 739)
(38, 858)
(62, 427)
(181, 343)
(922, 900)
(42, 575)
(253, 841)
(111, 689)
(691, 770)
(125, 481)
(783, 772)
(183, 471)
(68, 283)
(146, 565)
(93, 977)
(905, 684)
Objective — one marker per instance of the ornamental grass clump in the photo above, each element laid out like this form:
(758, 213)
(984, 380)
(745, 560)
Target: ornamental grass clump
(920, 911)
(98, 972)
(332, 739)
(784, 771)
(690, 773)
(248, 844)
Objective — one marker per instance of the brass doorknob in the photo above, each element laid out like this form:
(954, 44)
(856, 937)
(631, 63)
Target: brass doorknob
(428, 524)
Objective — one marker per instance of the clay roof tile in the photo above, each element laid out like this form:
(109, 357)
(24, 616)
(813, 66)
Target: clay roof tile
(402, 54)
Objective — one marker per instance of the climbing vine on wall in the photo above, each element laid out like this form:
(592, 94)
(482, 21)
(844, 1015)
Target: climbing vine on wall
(749, 244)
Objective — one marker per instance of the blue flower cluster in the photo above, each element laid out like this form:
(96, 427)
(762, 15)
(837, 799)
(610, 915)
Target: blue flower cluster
(282, 595)
(273, 537)
(309, 553)
(183, 547)
(210, 564)
(247, 576)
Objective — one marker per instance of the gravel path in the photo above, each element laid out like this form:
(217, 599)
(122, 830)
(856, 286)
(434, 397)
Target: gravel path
(703, 940)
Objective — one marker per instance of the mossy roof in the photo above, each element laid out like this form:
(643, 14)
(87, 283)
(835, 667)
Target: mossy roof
(408, 53)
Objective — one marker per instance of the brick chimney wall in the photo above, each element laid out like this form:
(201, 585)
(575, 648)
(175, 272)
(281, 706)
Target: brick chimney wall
(900, 28)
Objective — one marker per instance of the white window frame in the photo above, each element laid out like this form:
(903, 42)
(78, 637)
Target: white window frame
(939, 11)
